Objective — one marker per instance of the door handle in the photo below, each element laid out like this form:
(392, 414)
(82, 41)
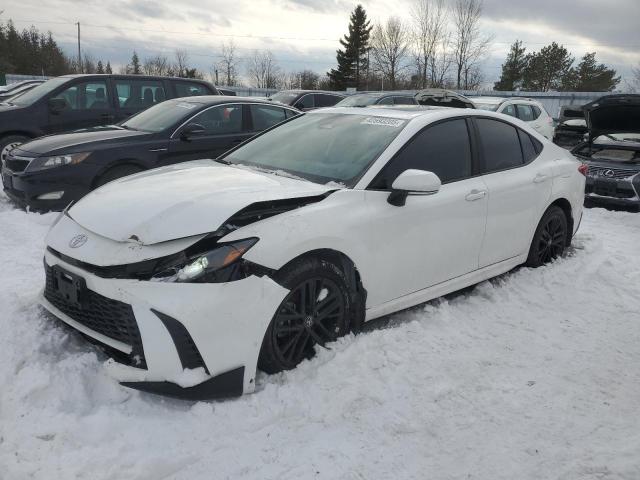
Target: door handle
(474, 195)
(539, 178)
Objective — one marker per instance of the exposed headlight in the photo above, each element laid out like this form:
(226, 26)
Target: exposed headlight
(44, 163)
(200, 268)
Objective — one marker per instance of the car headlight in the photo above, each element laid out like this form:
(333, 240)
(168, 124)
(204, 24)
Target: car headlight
(202, 267)
(44, 163)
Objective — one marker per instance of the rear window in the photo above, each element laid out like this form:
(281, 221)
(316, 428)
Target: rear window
(191, 89)
(500, 145)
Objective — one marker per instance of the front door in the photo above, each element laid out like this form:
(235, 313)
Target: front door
(432, 238)
(225, 126)
(84, 104)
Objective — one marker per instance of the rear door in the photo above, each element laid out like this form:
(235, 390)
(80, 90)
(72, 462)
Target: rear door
(86, 103)
(518, 188)
(225, 126)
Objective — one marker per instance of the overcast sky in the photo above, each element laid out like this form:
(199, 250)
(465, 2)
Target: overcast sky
(304, 33)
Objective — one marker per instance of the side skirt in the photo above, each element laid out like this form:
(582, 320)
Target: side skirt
(440, 289)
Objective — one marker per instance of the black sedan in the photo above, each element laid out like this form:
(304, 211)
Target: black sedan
(50, 172)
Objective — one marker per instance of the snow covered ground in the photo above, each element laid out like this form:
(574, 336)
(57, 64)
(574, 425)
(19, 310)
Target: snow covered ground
(535, 375)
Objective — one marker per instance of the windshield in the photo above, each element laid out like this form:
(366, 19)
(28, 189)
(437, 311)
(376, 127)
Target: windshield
(284, 97)
(36, 93)
(321, 147)
(358, 101)
(161, 116)
(492, 107)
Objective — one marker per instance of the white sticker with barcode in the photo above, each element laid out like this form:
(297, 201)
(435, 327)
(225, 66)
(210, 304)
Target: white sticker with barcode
(383, 122)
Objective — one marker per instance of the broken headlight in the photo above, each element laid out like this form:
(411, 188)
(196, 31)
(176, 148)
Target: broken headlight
(203, 267)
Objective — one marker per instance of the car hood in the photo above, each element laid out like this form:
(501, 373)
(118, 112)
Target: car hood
(613, 114)
(81, 140)
(181, 201)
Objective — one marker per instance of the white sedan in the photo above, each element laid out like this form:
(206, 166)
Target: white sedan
(194, 276)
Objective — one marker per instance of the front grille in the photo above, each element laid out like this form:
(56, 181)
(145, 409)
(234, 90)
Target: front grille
(612, 191)
(607, 172)
(16, 163)
(104, 315)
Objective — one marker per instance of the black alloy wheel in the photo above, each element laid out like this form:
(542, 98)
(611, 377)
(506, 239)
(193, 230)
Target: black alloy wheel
(550, 239)
(315, 312)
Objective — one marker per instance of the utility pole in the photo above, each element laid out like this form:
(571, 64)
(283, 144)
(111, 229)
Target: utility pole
(79, 55)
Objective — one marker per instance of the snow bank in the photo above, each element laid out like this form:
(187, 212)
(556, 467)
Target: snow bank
(534, 375)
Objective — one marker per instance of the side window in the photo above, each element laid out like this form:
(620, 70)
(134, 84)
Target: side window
(86, 96)
(190, 89)
(500, 145)
(266, 116)
(443, 149)
(222, 120)
(536, 112)
(139, 94)
(528, 147)
(326, 100)
(525, 113)
(306, 101)
(509, 110)
(290, 113)
(385, 101)
(404, 101)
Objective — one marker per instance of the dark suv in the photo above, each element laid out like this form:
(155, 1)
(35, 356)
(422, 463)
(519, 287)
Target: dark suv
(71, 102)
(305, 100)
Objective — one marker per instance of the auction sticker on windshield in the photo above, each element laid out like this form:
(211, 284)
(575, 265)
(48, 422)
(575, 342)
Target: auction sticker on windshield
(383, 122)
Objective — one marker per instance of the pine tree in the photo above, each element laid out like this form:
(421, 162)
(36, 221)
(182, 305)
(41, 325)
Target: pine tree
(134, 66)
(546, 69)
(100, 67)
(107, 69)
(589, 76)
(352, 60)
(513, 69)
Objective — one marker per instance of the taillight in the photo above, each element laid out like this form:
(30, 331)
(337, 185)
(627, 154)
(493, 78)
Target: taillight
(583, 169)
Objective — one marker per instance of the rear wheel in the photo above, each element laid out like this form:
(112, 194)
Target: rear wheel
(10, 142)
(550, 239)
(115, 173)
(316, 311)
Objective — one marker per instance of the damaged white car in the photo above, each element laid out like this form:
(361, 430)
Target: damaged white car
(192, 277)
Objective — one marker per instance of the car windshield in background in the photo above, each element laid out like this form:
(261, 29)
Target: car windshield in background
(492, 107)
(358, 101)
(283, 97)
(321, 147)
(161, 116)
(36, 93)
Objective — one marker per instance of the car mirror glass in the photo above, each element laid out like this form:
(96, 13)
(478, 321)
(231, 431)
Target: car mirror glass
(192, 130)
(57, 105)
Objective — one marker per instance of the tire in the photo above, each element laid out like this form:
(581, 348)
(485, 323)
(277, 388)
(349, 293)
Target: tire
(298, 325)
(116, 172)
(9, 142)
(550, 239)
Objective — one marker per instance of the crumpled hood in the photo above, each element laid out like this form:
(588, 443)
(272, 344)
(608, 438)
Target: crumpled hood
(613, 114)
(181, 200)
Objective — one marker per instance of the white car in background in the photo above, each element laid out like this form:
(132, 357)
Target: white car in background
(194, 276)
(525, 109)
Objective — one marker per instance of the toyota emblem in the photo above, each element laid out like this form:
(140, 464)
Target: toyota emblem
(608, 173)
(78, 241)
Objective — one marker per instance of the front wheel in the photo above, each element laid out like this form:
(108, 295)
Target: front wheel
(316, 311)
(10, 142)
(550, 239)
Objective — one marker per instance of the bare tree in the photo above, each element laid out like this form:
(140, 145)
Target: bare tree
(636, 76)
(263, 70)
(228, 64)
(469, 44)
(430, 34)
(156, 65)
(182, 63)
(390, 44)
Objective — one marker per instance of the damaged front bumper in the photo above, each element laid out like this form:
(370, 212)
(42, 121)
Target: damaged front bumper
(196, 341)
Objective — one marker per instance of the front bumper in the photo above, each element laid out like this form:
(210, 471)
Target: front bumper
(196, 341)
(25, 188)
(613, 191)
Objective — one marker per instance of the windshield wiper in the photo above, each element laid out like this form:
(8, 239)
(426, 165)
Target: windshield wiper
(222, 161)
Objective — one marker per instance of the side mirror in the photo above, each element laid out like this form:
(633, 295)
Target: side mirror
(413, 181)
(57, 105)
(192, 130)
(299, 106)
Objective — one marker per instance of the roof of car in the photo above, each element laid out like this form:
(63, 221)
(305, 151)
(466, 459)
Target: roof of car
(492, 100)
(406, 112)
(310, 91)
(216, 99)
(129, 75)
(383, 94)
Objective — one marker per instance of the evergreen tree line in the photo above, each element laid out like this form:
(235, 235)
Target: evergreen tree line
(552, 69)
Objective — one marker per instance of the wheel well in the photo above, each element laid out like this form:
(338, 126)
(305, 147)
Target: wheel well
(348, 267)
(22, 134)
(564, 204)
(120, 163)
